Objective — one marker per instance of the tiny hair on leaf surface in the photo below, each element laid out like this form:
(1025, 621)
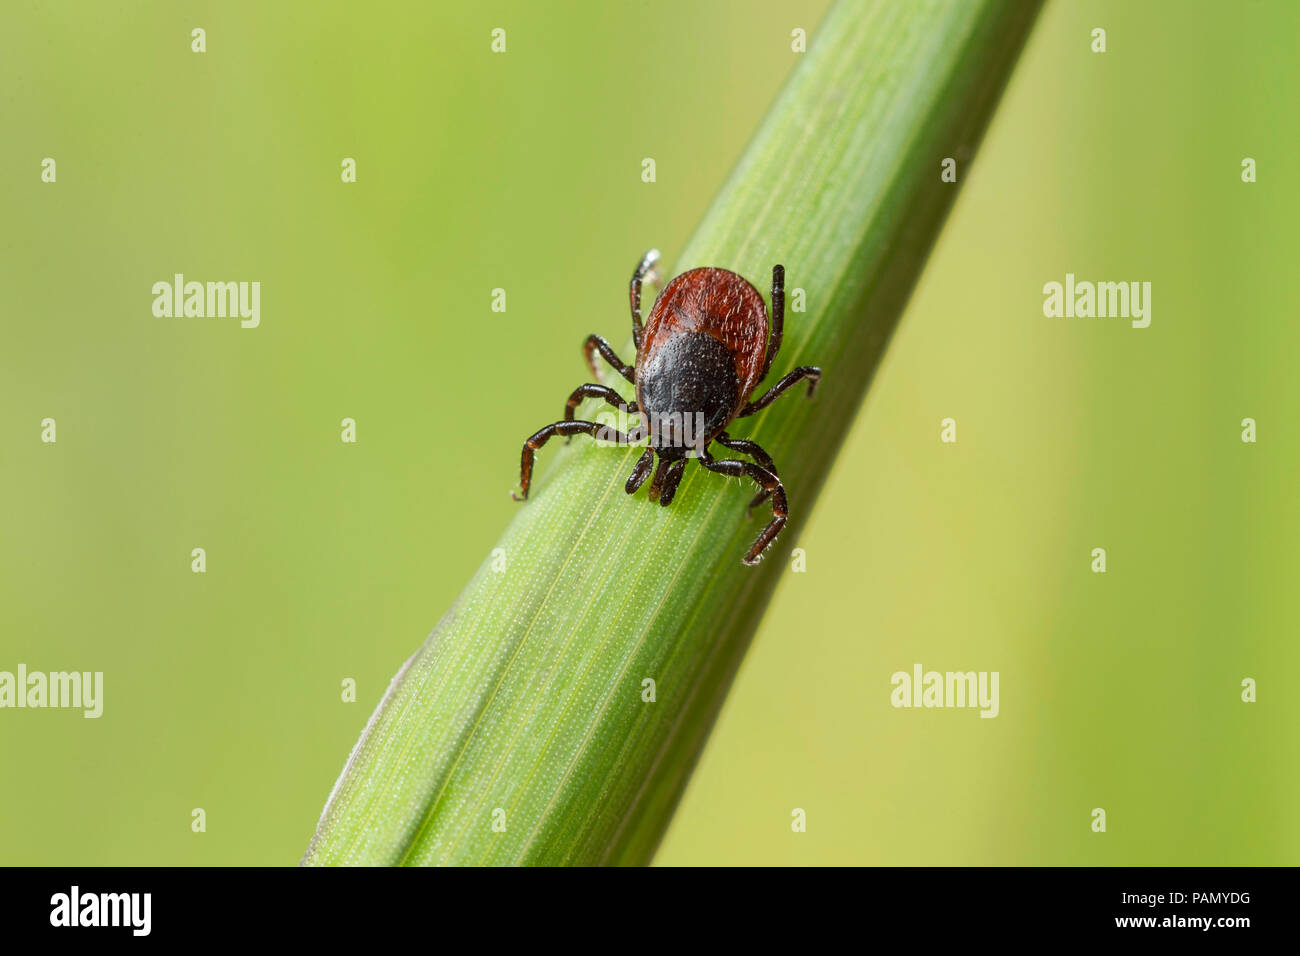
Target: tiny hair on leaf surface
(524, 730)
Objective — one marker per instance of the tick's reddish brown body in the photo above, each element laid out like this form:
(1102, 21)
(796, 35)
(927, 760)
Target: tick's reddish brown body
(717, 303)
(703, 350)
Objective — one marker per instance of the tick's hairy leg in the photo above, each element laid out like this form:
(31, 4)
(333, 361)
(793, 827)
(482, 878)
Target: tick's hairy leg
(541, 437)
(770, 484)
(751, 449)
(810, 372)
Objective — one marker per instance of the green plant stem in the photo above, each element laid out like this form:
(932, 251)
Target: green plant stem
(521, 732)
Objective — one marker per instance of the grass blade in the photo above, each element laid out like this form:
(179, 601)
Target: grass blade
(520, 731)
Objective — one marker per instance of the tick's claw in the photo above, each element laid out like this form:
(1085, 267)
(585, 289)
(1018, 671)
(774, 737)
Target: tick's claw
(515, 497)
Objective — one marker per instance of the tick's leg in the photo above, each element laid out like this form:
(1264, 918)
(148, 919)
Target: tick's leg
(778, 318)
(810, 372)
(596, 344)
(634, 292)
(667, 475)
(595, 391)
(639, 471)
(594, 429)
(755, 452)
(769, 483)
(672, 477)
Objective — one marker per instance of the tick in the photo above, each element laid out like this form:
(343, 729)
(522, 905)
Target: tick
(701, 354)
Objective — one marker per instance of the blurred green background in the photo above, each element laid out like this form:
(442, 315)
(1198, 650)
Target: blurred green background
(521, 171)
